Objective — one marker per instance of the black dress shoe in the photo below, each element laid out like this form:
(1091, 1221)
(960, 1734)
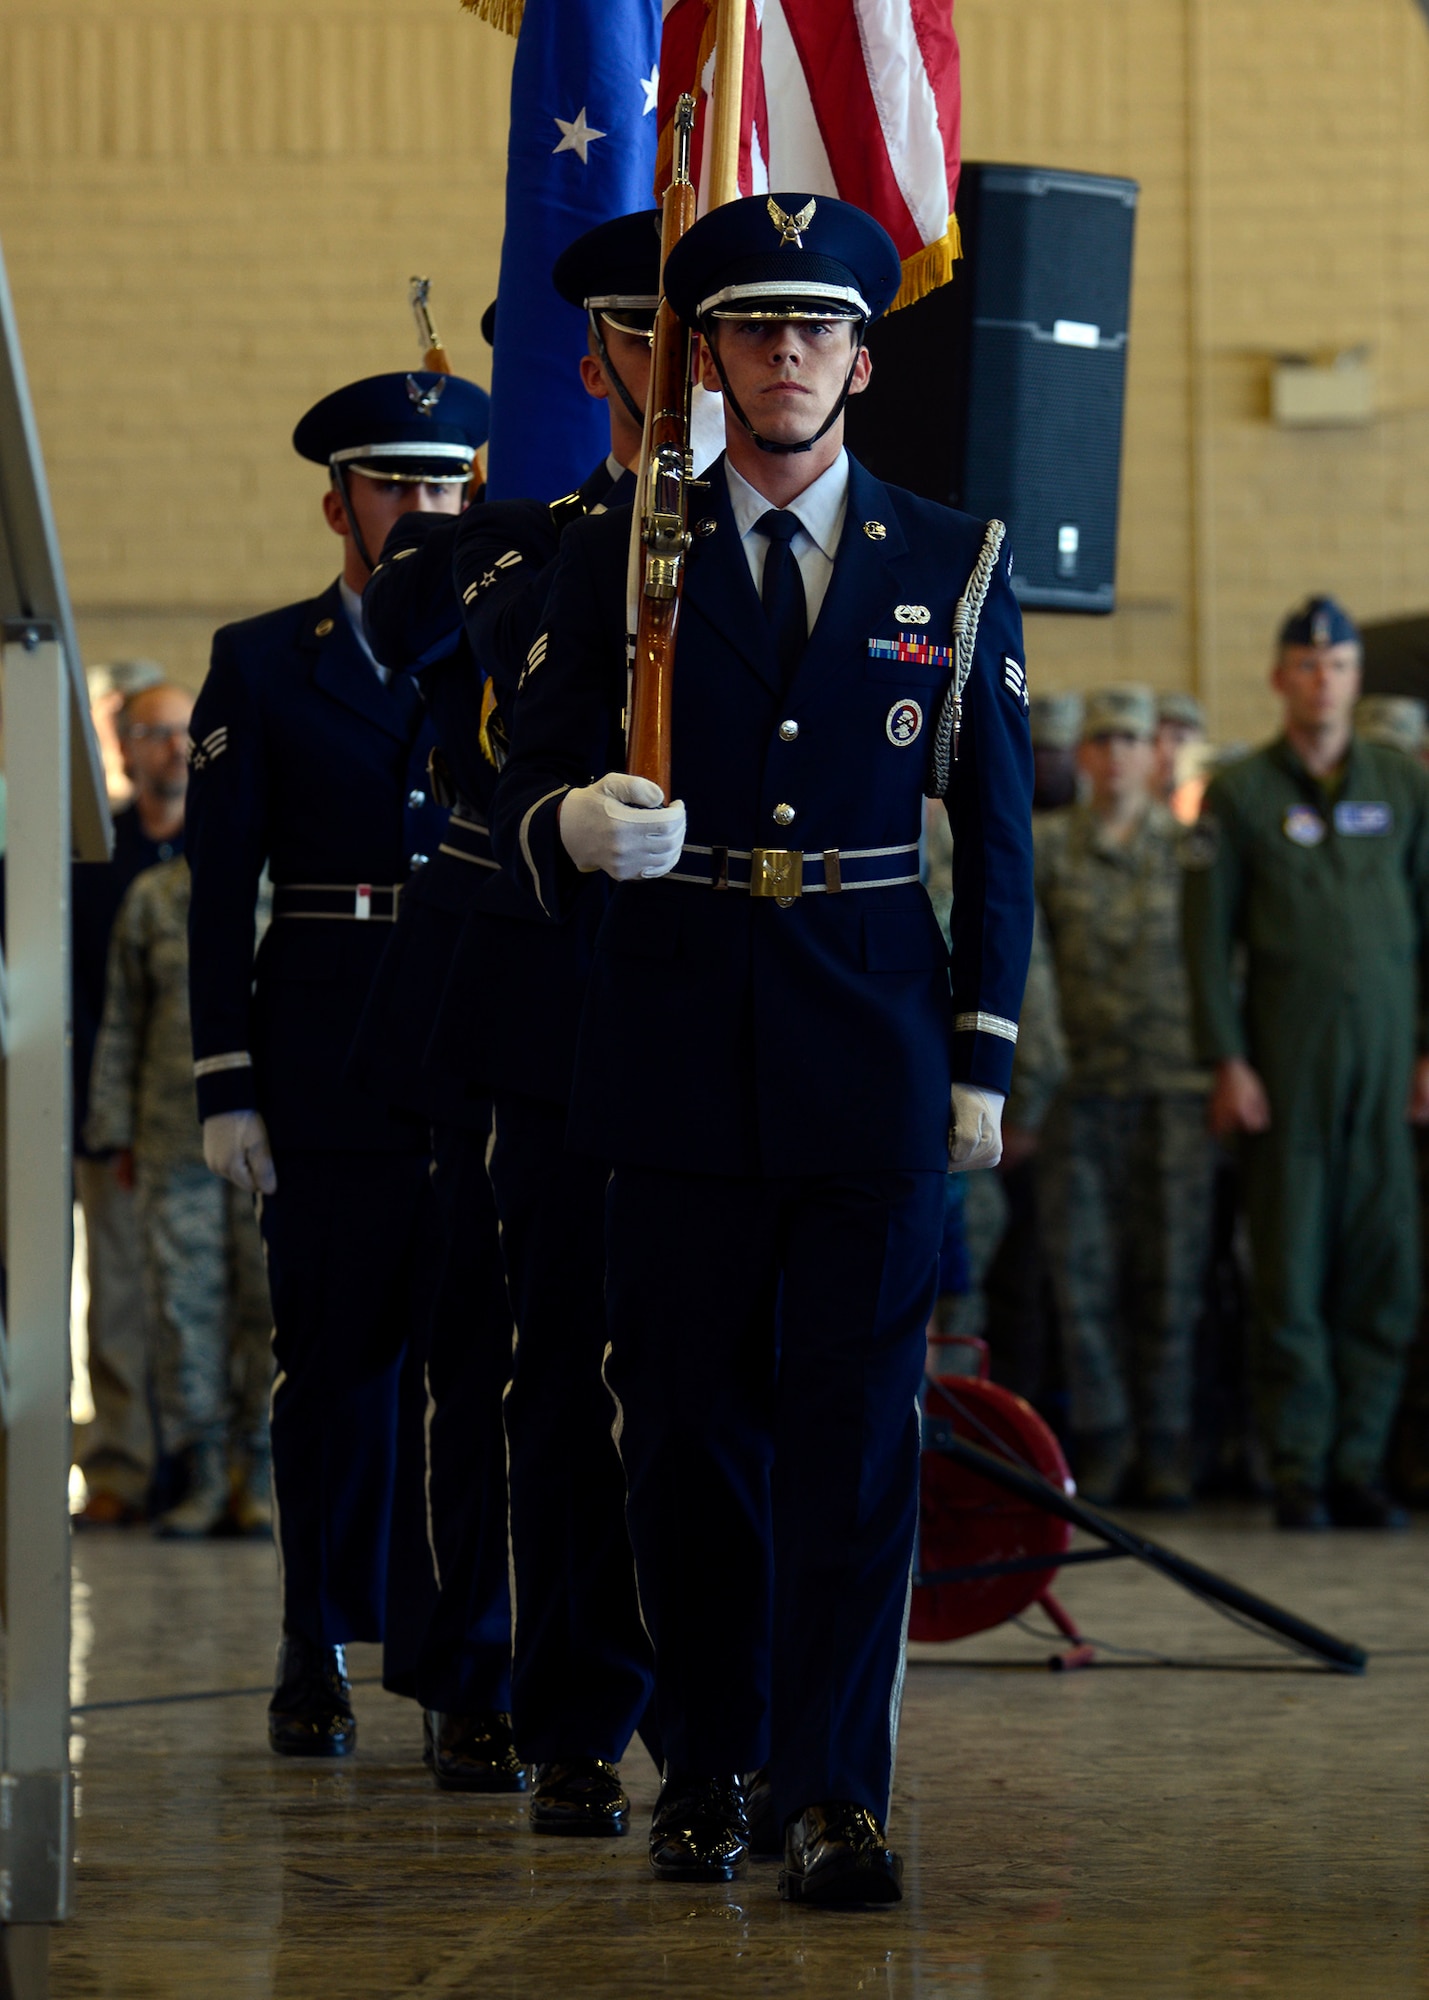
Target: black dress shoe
(1365, 1507)
(471, 1753)
(699, 1832)
(766, 1835)
(310, 1714)
(582, 1796)
(1300, 1507)
(837, 1857)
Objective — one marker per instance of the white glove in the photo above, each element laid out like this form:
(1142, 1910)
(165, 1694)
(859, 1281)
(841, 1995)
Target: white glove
(619, 824)
(235, 1146)
(975, 1135)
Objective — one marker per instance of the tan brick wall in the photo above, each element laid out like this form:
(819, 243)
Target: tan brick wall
(210, 209)
(210, 213)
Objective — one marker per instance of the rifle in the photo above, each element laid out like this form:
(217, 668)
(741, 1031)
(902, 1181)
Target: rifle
(434, 355)
(663, 502)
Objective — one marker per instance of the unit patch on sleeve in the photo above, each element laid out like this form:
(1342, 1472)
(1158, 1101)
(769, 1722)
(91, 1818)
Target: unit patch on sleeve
(909, 648)
(1357, 817)
(905, 723)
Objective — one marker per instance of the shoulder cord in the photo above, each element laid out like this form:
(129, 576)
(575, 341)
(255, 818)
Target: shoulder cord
(965, 624)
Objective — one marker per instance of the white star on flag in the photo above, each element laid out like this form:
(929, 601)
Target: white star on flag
(651, 87)
(576, 136)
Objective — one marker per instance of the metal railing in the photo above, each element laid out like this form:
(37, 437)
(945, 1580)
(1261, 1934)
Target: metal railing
(55, 812)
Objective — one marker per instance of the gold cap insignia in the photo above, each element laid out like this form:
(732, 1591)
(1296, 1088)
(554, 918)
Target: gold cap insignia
(791, 227)
(875, 531)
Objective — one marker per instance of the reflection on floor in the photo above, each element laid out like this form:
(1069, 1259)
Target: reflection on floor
(1243, 1825)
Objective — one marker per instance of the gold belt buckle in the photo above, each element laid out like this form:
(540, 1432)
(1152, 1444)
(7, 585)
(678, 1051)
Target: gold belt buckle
(777, 872)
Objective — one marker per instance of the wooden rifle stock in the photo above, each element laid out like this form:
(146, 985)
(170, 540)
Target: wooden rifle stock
(663, 500)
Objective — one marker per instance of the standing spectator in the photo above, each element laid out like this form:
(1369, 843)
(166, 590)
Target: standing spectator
(116, 1451)
(1056, 724)
(1312, 860)
(1124, 1180)
(203, 1258)
(1180, 724)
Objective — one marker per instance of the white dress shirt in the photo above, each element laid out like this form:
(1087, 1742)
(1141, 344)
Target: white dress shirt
(352, 605)
(820, 510)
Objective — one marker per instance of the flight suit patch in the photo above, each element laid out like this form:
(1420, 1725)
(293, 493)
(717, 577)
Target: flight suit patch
(904, 724)
(1304, 826)
(1363, 816)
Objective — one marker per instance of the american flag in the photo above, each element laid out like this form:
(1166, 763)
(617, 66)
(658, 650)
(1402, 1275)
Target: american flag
(855, 98)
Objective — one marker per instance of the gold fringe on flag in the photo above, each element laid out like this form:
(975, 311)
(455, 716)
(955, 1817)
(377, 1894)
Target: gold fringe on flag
(929, 267)
(503, 14)
(488, 693)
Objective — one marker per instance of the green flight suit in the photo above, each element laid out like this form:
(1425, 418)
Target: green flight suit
(1307, 943)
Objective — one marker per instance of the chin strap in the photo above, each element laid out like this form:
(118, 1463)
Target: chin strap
(769, 444)
(339, 480)
(613, 376)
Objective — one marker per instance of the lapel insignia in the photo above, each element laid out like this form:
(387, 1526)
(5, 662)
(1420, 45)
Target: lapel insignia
(875, 531)
(425, 400)
(322, 628)
(705, 526)
(912, 614)
(791, 227)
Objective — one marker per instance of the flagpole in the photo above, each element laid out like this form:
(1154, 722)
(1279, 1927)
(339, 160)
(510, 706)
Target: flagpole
(726, 102)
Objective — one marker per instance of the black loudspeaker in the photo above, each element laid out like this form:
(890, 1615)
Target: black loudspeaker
(1002, 392)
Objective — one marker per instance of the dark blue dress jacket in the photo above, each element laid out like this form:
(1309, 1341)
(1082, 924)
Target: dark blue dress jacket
(505, 1012)
(304, 762)
(724, 1034)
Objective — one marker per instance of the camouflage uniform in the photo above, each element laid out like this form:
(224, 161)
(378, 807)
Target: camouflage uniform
(202, 1254)
(1125, 1162)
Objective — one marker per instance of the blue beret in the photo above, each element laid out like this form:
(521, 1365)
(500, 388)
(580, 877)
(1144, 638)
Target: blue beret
(796, 251)
(1319, 622)
(403, 426)
(615, 264)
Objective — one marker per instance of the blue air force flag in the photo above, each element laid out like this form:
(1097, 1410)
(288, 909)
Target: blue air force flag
(582, 149)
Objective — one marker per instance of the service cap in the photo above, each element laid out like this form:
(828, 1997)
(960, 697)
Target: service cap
(417, 427)
(1055, 721)
(1396, 721)
(784, 256)
(614, 269)
(1183, 710)
(1320, 621)
(1126, 708)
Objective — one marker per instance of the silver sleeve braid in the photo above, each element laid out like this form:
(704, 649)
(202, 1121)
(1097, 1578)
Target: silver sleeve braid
(965, 624)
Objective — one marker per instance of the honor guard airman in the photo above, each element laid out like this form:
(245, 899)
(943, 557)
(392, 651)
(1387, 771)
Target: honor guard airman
(581, 1673)
(310, 760)
(773, 1057)
(1311, 862)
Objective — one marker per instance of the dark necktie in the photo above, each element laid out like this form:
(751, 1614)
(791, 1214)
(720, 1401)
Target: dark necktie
(783, 589)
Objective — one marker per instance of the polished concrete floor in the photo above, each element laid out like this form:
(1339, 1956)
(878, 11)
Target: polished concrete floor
(1233, 1823)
